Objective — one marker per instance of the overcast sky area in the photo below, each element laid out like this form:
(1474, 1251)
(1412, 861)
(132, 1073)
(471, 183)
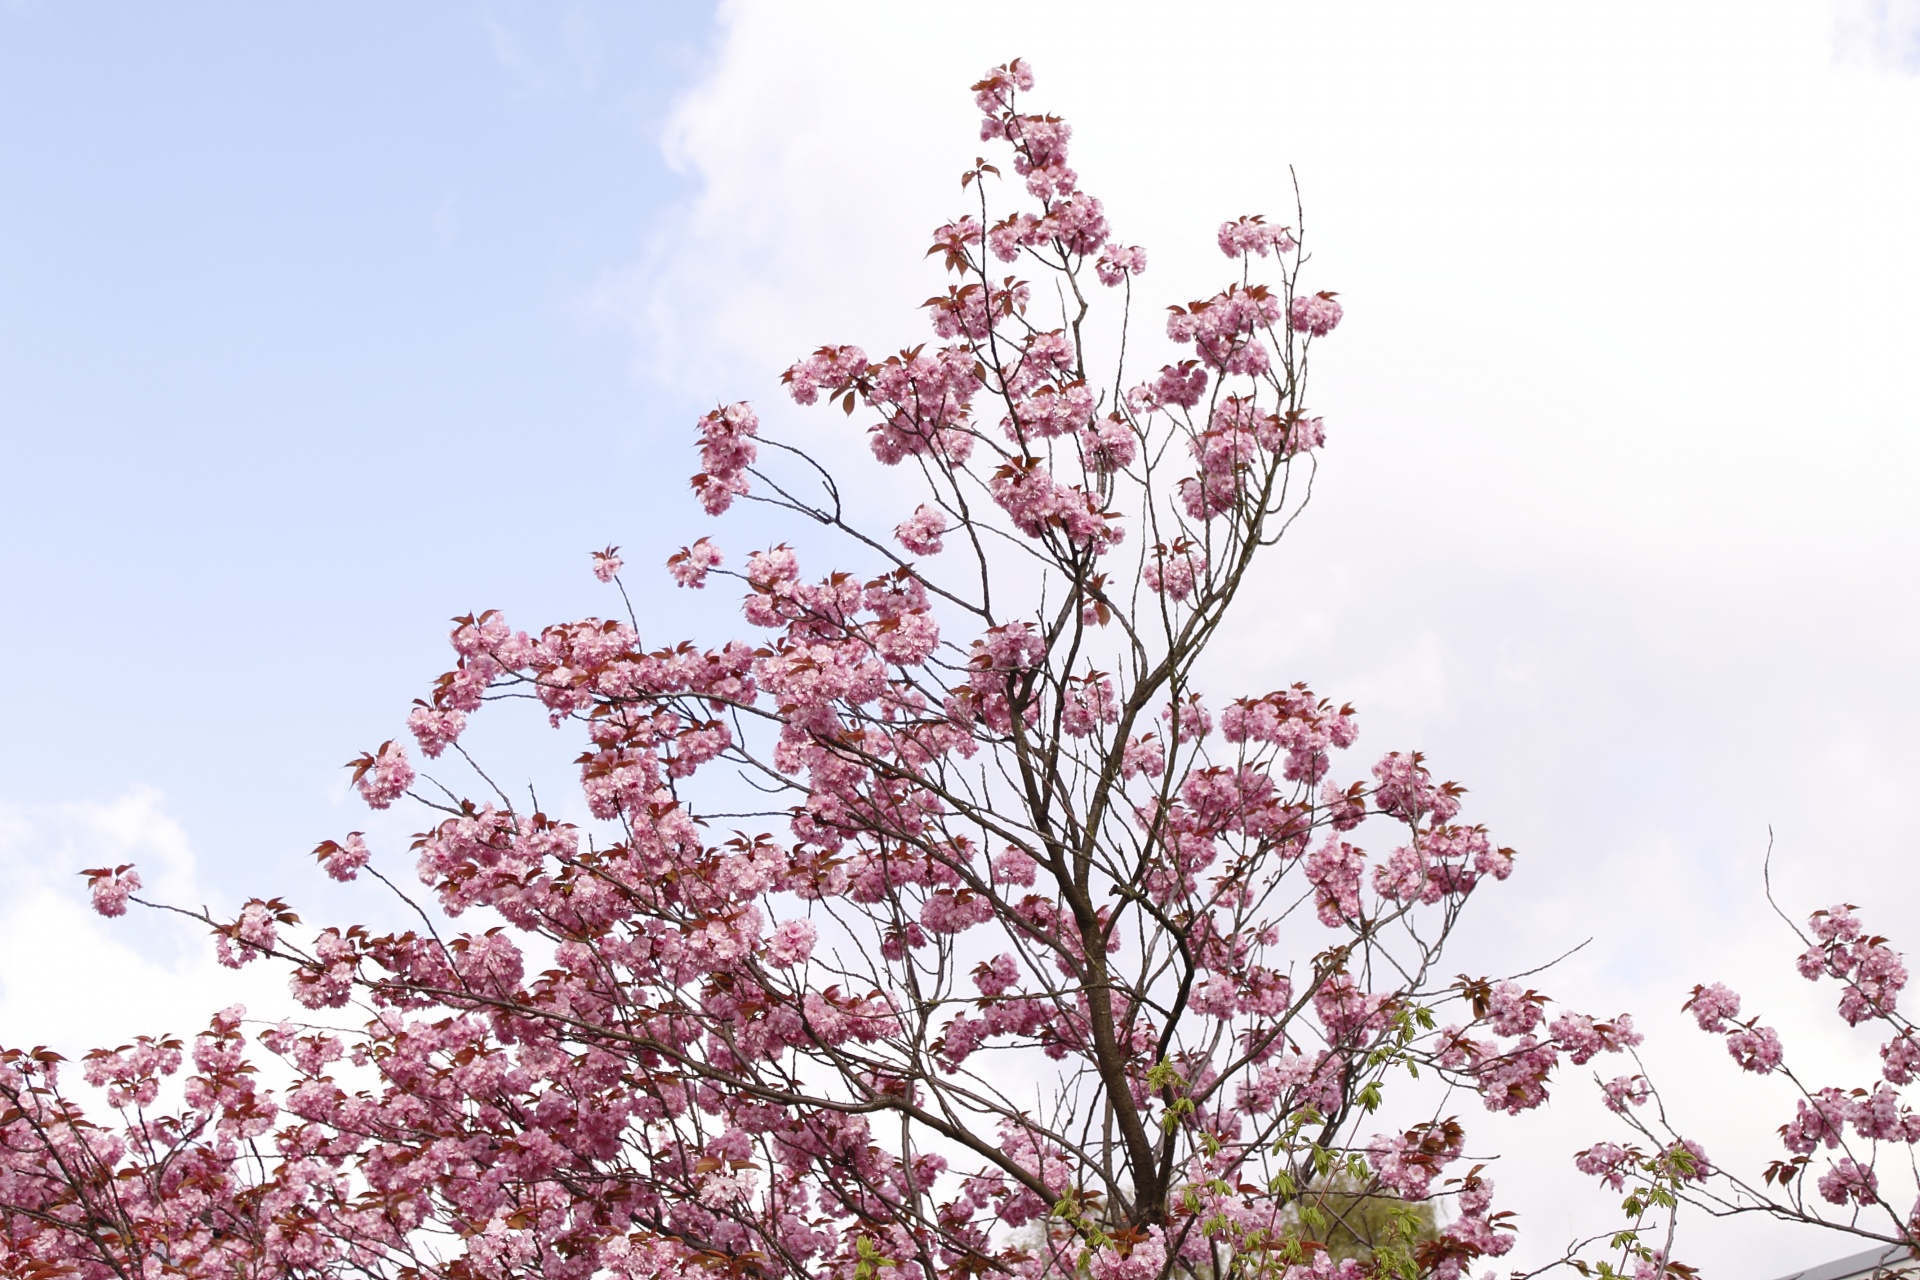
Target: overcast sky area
(319, 326)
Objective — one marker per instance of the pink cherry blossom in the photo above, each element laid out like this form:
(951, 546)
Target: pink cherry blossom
(832, 369)
(111, 887)
(1901, 1059)
(1583, 1038)
(1608, 1162)
(250, 936)
(1819, 1121)
(792, 943)
(1107, 446)
(383, 776)
(1226, 329)
(1713, 1006)
(1252, 236)
(921, 532)
(1117, 262)
(1143, 755)
(1174, 573)
(1316, 314)
(1847, 1180)
(1757, 1050)
(1626, 1091)
(1088, 704)
(727, 449)
(343, 859)
(689, 566)
(435, 728)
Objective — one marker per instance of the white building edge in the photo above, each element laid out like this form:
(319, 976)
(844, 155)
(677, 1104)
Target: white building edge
(1892, 1260)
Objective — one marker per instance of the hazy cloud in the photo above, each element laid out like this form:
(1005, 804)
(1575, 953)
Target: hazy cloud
(74, 980)
(1879, 33)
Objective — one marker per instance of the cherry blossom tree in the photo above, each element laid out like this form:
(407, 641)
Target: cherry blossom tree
(942, 926)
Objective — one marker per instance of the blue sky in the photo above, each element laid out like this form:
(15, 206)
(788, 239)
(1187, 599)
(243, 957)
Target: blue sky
(298, 357)
(318, 326)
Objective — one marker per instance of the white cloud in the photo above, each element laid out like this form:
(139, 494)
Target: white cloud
(74, 981)
(1882, 34)
(543, 57)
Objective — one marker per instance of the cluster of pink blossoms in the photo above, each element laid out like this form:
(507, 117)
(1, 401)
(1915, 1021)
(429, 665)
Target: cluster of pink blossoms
(727, 449)
(1117, 262)
(1754, 1047)
(1859, 1126)
(1037, 503)
(1871, 972)
(1315, 314)
(1252, 237)
(252, 935)
(1681, 1162)
(435, 728)
(1513, 1076)
(1177, 386)
(1227, 452)
(1227, 328)
(1177, 570)
(342, 859)
(111, 887)
(921, 532)
(383, 776)
(1407, 1163)
(690, 566)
